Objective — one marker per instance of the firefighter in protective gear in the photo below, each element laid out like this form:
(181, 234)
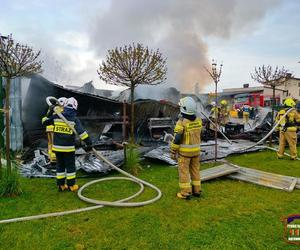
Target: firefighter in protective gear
(186, 146)
(214, 115)
(298, 111)
(50, 128)
(224, 113)
(246, 113)
(288, 129)
(64, 144)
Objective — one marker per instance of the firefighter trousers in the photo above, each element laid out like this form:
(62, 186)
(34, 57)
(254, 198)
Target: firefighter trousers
(51, 154)
(291, 138)
(189, 174)
(65, 168)
(245, 117)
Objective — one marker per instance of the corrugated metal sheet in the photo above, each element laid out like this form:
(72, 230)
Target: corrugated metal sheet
(219, 171)
(16, 128)
(266, 179)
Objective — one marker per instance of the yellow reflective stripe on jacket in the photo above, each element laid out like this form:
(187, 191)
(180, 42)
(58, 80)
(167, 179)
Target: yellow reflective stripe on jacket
(189, 150)
(190, 146)
(184, 184)
(50, 128)
(61, 120)
(84, 135)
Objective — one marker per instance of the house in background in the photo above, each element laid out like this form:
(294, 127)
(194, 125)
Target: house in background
(292, 88)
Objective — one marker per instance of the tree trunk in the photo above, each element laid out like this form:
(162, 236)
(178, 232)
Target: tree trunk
(132, 140)
(1, 124)
(273, 106)
(216, 122)
(7, 125)
(272, 118)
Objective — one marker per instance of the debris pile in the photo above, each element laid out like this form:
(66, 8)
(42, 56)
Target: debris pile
(207, 150)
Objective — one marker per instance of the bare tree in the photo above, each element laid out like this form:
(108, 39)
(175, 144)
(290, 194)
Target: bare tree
(16, 60)
(215, 74)
(130, 66)
(271, 77)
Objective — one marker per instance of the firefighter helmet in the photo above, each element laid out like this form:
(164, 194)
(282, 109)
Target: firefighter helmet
(62, 101)
(224, 102)
(289, 102)
(187, 105)
(71, 103)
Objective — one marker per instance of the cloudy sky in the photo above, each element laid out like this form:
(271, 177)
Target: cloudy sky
(74, 36)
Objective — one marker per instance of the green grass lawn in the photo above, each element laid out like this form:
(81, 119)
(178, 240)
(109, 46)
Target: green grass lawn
(230, 215)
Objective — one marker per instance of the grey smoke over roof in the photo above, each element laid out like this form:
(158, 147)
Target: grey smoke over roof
(178, 29)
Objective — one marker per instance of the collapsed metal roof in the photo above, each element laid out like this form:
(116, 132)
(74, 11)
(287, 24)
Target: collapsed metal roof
(91, 107)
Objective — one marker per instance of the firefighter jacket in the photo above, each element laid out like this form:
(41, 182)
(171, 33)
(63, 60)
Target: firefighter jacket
(214, 112)
(187, 137)
(50, 128)
(290, 122)
(224, 110)
(64, 137)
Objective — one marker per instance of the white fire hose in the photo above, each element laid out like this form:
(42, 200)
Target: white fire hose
(271, 131)
(98, 203)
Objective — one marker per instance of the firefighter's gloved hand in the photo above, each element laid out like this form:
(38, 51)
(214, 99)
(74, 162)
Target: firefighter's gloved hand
(50, 110)
(173, 155)
(88, 144)
(88, 148)
(88, 141)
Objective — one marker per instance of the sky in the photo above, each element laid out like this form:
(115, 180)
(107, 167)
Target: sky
(74, 36)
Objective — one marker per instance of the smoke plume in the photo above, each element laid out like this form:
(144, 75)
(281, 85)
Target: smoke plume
(178, 29)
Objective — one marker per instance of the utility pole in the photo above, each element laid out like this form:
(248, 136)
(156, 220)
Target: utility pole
(215, 74)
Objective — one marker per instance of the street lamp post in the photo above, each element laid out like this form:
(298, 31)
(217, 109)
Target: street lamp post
(215, 75)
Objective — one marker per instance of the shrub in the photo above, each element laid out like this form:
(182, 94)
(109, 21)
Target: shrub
(10, 184)
(132, 159)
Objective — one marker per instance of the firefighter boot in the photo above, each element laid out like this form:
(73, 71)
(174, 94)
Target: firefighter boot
(196, 191)
(62, 187)
(183, 196)
(73, 188)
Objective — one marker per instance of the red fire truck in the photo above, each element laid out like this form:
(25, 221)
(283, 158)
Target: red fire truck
(252, 99)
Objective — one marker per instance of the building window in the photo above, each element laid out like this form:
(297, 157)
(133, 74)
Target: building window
(299, 84)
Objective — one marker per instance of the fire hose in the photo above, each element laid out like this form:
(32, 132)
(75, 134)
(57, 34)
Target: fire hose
(267, 135)
(217, 127)
(98, 203)
(257, 143)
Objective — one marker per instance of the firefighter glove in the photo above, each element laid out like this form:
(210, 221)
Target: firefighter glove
(173, 155)
(88, 148)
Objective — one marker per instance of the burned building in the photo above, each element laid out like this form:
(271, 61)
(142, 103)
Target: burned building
(95, 112)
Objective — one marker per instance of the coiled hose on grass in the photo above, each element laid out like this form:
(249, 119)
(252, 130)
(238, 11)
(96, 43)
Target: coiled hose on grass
(98, 203)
